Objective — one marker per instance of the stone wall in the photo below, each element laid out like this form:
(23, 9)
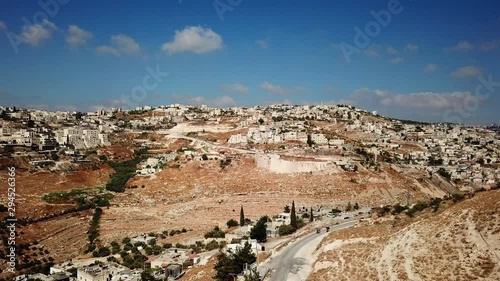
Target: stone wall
(274, 163)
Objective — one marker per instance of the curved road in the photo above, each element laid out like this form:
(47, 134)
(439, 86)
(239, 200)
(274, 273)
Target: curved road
(288, 261)
(179, 136)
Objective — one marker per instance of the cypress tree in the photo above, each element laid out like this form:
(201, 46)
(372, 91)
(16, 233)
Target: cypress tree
(293, 216)
(242, 217)
(311, 217)
(349, 207)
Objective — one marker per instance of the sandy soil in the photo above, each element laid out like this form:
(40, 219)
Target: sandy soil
(461, 243)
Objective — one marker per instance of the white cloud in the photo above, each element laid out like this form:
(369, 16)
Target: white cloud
(466, 71)
(419, 100)
(262, 43)
(47, 107)
(3, 26)
(391, 50)
(490, 45)
(98, 107)
(125, 44)
(222, 101)
(121, 44)
(235, 88)
(411, 47)
(194, 39)
(396, 60)
(278, 90)
(77, 36)
(107, 50)
(275, 89)
(463, 46)
(430, 68)
(372, 50)
(35, 34)
(119, 102)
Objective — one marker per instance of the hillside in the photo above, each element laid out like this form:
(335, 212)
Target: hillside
(459, 243)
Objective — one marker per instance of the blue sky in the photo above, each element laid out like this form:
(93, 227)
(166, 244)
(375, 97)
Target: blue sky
(425, 63)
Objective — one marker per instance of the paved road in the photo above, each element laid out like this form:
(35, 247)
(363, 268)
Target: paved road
(287, 262)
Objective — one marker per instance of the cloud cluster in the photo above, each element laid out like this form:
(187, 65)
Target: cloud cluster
(194, 39)
(374, 50)
(490, 45)
(418, 100)
(278, 90)
(77, 36)
(431, 67)
(463, 46)
(35, 34)
(65, 108)
(466, 71)
(392, 51)
(234, 89)
(262, 43)
(120, 44)
(411, 48)
(371, 51)
(222, 101)
(397, 60)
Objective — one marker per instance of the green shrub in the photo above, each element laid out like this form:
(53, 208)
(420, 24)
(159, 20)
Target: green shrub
(101, 252)
(397, 209)
(124, 171)
(286, 229)
(232, 223)
(212, 245)
(215, 233)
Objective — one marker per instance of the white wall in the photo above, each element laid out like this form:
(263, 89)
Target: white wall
(273, 163)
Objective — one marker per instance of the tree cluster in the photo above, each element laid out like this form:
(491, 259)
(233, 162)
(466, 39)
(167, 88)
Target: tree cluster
(229, 265)
(259, 231)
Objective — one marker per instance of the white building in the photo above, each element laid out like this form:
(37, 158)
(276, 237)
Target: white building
(238, 138)
(234, 247)
(100, 272)
(319, 139)
(336, 142)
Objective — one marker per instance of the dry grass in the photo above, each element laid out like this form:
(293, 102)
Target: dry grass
(460, 243)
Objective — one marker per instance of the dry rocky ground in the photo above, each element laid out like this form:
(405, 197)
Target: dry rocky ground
(30, 187)
(196, 196)
(459, 243)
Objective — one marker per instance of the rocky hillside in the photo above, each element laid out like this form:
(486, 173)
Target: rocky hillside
(461, 242)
